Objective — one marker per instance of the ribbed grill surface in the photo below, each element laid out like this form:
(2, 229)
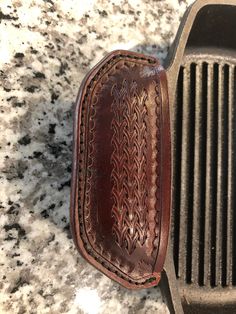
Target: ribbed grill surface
(204, 171)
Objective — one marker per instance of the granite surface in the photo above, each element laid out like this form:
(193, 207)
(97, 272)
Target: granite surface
(46, 47)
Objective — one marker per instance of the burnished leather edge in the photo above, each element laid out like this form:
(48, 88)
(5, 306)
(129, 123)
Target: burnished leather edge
(166, 173)
(165, 156)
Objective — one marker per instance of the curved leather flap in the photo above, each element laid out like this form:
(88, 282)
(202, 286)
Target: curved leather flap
(120, 195)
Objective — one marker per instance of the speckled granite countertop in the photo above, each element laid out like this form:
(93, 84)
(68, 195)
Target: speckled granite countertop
(46, 47)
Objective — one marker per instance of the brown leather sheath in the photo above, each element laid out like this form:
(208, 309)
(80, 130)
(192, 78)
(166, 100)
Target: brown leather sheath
(120, 196)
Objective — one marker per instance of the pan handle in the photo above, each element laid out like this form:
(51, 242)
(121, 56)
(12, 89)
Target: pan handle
(169, 285)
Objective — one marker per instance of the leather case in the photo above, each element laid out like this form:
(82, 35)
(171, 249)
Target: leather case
(121, 169)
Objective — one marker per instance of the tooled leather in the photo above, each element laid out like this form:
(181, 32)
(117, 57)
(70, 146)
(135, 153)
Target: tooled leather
(128, 158)
(145, 223)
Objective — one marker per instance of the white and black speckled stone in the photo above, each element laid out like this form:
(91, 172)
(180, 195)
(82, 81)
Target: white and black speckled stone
(46, 47)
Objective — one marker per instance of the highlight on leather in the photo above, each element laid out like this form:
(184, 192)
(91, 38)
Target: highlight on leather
(120, 195)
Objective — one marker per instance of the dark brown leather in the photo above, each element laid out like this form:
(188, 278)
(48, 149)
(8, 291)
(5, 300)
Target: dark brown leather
(120, 196)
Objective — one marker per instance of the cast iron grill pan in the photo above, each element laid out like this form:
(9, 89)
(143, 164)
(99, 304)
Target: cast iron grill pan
(204, 164)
